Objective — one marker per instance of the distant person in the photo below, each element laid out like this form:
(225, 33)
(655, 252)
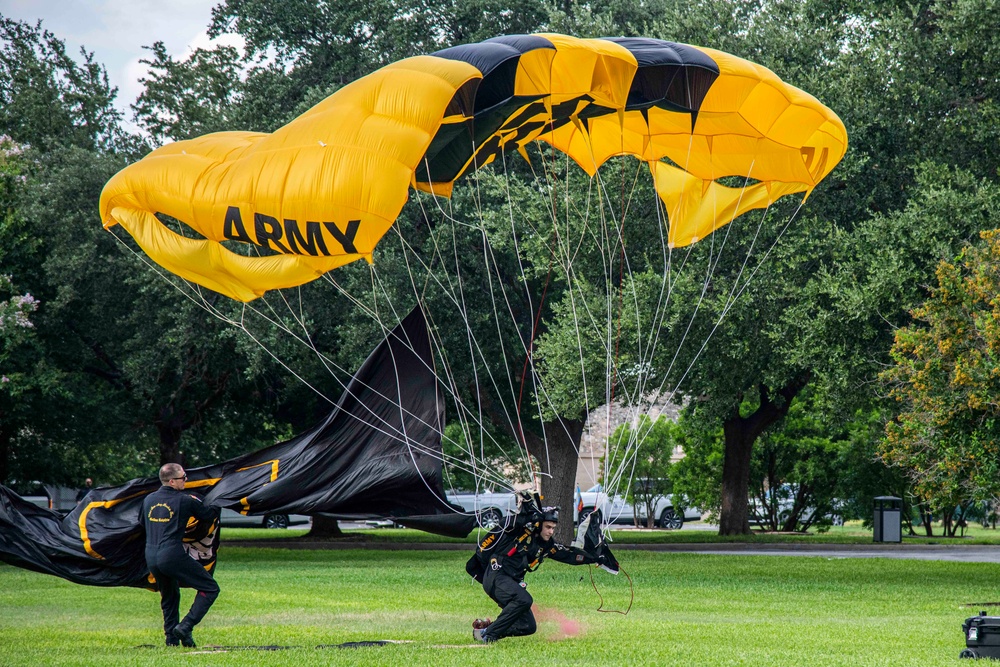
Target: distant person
(82, 493)
(165, 515)
(504, 557)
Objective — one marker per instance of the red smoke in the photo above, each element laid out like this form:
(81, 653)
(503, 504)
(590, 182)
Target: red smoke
(567, 626)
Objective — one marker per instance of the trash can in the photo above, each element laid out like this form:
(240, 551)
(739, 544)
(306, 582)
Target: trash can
(888, 519)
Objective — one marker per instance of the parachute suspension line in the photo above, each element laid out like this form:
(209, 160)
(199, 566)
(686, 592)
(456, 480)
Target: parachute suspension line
(570, 273)
(568, 269)
(448, 376)
(711, 272)
(731, 300)
(534, 332)
(541, 391)
(612, 362)
(490, 260)
(746, 284)
(188, 290)
(631, 590)
(481, 228)
(463, 309)
(410, 443)
(620, 450)
(449, 291)
(203, 303)
(746, 182)
(390, 432)
(469, 465)
(241, 324)
(570, 278)
(611, 354)
(615, 375)
(516, 422)
(531, 337)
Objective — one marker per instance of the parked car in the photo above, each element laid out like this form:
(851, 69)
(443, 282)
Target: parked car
(233, 519)
(616, 509)
(782, 499)
(33, 492)
(492, 506)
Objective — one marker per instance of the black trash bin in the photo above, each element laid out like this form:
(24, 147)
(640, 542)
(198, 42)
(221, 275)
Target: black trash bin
(888, 519)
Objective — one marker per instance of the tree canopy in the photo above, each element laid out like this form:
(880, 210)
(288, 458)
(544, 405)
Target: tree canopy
(119, 371)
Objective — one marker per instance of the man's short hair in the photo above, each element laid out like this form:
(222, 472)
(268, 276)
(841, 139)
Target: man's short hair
(169, 471)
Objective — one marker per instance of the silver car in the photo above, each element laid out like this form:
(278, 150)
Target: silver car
(491, 506)
(233, 519)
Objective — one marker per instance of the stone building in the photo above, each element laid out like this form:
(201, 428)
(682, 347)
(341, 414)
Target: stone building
(603, 421)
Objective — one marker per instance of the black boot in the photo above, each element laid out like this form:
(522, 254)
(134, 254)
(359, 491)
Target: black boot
(172, 640)
(183, 633)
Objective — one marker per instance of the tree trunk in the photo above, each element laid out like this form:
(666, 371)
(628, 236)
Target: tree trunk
(169, 426)
(558, 456)
(170, 445)
(324, 527)
(740, 433)
(735, 519)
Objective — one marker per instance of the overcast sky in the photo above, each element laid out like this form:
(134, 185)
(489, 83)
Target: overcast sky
(116, 30)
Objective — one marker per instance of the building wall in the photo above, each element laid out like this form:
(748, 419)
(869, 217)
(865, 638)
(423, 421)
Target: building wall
(603, 421)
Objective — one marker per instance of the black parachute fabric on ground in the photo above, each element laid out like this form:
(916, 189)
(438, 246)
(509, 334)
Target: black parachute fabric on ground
(377, 454)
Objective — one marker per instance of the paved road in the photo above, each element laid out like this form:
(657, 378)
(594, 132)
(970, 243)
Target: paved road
(968, 554)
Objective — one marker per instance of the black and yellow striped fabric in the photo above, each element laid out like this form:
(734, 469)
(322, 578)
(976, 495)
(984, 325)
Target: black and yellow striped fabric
(321, 191)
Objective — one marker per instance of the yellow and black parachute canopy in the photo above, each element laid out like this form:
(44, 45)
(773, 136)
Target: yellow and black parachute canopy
(322, 190)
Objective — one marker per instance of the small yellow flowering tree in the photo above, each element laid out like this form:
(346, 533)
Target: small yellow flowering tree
(946, 378)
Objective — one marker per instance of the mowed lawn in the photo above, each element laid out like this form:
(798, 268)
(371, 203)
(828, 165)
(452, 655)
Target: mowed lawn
(688, 610)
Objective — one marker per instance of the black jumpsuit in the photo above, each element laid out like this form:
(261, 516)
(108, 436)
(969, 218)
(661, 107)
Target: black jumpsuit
(165, 515)
(513, 557)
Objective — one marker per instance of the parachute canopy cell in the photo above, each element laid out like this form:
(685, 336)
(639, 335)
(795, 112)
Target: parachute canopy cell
(321, 191)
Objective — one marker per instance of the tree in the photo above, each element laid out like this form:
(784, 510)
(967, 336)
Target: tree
(796, 470)
(117, 375)
(46, 97)
(946, 379)
(791, 327)
(804, 469)
(184, 99)
(908, 81)
(49, 427)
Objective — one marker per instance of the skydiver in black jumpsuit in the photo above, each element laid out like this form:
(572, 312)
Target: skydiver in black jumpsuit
(504, 557)
(165, 515)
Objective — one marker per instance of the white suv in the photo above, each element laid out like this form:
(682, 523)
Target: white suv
(492, 506)
(616, 509)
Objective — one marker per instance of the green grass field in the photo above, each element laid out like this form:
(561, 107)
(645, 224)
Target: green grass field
(688, 610)
(852, 533)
